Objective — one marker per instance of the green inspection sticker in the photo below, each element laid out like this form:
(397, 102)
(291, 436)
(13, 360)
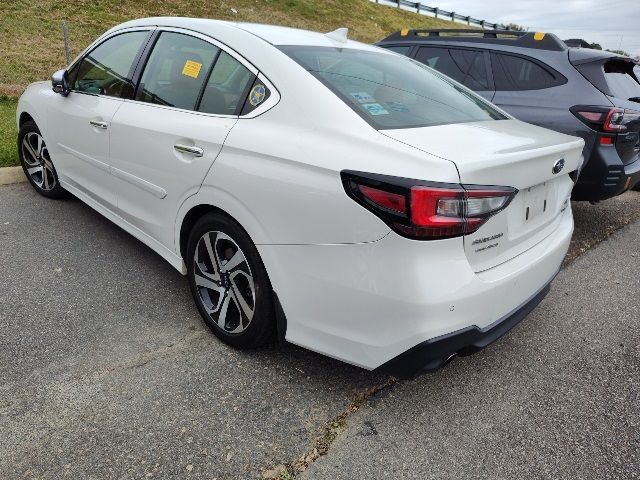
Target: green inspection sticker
(375, 109)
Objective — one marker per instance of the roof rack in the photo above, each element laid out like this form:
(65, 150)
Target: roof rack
(542, 41)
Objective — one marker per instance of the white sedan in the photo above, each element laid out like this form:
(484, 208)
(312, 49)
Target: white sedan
(312, 188)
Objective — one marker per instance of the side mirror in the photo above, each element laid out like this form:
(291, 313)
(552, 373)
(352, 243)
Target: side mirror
(60, 82)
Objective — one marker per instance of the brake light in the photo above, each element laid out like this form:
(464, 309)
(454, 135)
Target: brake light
(606, 119)
(614, 121)
(391, 201)
(426, 210)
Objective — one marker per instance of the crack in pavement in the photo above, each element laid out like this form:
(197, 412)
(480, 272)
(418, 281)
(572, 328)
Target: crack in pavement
(329, 432)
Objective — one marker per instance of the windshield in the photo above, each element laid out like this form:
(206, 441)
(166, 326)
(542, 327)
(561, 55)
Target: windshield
(391, 91)
(622, 79)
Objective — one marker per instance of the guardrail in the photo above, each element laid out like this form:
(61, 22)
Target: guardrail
(436, 12)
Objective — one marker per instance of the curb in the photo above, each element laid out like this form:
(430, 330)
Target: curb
(11, 175)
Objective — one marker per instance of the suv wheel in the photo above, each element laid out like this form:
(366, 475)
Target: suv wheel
(229, 282)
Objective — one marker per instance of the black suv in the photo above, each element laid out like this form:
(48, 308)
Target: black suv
(537, 78)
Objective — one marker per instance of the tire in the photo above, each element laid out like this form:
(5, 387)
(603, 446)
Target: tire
(36, 162)
(229, 283)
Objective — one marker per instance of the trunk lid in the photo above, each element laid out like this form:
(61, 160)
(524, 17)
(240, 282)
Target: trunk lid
(506, 153)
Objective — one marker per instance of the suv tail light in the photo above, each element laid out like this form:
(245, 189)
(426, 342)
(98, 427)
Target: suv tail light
(606, 119)
(426, 210)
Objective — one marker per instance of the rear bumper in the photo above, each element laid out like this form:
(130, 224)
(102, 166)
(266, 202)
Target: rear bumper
(605, 176)
(367, 304)
(433, 354)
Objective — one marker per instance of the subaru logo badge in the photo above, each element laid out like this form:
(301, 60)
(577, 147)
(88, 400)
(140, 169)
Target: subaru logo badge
(558, 166)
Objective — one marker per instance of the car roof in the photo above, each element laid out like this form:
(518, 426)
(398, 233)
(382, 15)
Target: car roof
(273, 34)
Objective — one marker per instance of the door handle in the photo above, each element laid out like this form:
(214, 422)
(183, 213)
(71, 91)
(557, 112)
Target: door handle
(191, 150)
(98, 124)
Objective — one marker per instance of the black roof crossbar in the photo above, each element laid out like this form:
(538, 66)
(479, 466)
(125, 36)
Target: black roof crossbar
(542, 41)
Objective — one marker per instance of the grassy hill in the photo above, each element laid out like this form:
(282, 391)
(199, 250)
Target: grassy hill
(31, 35)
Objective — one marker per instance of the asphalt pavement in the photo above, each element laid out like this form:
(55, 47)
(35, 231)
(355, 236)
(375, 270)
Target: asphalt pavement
(107, 371)
(557, 398)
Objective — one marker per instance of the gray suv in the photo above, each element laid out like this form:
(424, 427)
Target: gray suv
(537, 78)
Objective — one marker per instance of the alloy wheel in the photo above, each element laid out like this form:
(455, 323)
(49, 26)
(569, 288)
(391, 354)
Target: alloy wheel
(224, 282)
(38, 162)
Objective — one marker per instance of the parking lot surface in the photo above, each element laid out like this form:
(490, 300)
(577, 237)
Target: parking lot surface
(108, 372)
(559, 397)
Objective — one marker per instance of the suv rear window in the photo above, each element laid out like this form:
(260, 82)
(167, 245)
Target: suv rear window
(622, 79)
(512, 73)
(389, 91)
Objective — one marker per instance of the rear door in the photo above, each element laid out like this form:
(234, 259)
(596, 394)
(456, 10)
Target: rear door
(164, 142)
(82, 120)
(469, 67)
(530, 90)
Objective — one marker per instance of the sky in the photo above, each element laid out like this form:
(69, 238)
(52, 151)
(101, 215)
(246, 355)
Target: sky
(613, 25)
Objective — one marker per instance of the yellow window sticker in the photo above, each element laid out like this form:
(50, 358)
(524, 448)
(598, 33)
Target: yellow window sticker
(191, 69)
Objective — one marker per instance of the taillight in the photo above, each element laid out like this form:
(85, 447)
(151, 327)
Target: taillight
(391, 201)
(606, 119)
(426, 210)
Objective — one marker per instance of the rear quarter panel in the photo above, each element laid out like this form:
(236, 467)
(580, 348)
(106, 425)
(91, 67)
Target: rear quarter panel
(283, 184)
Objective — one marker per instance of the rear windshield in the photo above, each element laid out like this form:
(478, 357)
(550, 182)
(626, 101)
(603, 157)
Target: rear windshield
(390, 91)
(622, 79)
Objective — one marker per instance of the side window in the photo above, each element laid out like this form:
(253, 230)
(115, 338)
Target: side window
(465, 66)
(176, 70)
(516, 73)
(227, 86)
(107, 69)
(401, 49)
(257, 95)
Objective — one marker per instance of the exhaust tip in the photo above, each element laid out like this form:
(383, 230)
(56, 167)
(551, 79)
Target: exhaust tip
(449, 359)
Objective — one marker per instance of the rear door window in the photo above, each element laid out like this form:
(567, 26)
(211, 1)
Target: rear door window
(227, 87)
(465, 66)
(512, 73)
(176, 70)
(107, 69)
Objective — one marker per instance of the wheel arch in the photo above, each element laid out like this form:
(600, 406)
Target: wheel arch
(213, 199)
(189, 220)
(25, 117)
